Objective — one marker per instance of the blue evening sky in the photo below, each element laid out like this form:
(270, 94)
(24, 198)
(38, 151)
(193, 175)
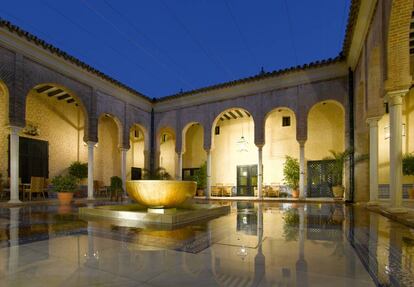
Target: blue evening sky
(159, 47)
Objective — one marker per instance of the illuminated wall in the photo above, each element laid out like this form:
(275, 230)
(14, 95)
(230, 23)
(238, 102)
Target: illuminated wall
(195, 154)
(167, 153)
(280, 141)
(107, 154)
(61, 124)
(4, 131)
(384, 141)
(326, 130)
(135, 154)
(225, 156)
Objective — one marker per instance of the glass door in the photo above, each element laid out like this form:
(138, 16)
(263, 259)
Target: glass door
(246, 180)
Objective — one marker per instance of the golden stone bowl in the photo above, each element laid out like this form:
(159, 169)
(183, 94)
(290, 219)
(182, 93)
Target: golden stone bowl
(161, 193)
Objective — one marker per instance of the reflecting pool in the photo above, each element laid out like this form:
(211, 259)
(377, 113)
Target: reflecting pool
(266, 244)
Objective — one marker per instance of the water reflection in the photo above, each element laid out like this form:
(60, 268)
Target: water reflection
(256, 245)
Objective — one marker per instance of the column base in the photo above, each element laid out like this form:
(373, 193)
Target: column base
(396, 210)
(14, 201)
(90, 198)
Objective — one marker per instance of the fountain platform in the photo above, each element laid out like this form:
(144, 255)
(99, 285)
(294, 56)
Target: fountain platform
(135, 215)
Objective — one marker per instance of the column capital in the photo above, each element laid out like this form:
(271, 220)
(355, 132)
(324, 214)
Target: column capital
(395, 97)
(302, 142)
(123, 149)
(259, 146)
(15, 129)
(373, 121)
(91, 143)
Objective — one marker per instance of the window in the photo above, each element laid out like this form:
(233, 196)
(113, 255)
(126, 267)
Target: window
(285, 121)
(217, 130)
(164, 138)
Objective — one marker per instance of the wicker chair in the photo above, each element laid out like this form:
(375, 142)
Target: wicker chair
(227, 190)
(216, 191)
(37, 185)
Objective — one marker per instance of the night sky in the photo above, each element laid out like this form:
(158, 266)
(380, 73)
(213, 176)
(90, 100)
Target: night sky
(160, 47)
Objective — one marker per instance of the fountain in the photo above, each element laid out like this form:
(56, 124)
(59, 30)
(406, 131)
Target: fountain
(159, 202)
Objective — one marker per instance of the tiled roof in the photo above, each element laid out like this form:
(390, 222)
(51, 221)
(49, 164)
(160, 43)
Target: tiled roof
(258, 77)
(58, 52)
(350, 27)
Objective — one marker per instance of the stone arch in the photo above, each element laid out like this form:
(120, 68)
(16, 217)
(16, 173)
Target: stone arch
(322, 139)
(184, 132)
(4, 129)
(51, 89)
(398, 47)
(119, 127)
(270, 111)
(164, 136)
(144, 132)
(216, 118)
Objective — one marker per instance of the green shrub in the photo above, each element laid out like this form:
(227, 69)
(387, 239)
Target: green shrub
(200, 176)
(79, 170)
(159, 174)
(291, 172)
(116, 184)
(408, 164)
(64, 183)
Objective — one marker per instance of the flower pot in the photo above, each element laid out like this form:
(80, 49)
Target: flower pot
(65, 197)
(338, 191)
(411, 193)
(295, 193)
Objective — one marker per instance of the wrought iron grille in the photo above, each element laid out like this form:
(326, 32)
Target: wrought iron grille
(320, 178)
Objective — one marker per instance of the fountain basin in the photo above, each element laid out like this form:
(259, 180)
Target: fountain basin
(161, 193)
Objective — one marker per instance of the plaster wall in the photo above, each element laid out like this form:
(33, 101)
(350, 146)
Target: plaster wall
(107, 153)
(167, 155)
(194, 155)
(280, 141)
(4, 132)
(135, 154)
(225, 156)
(61, 125)
(326, 131)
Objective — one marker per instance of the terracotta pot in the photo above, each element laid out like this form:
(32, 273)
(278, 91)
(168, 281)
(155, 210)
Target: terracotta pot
(65, 197)
(411, 193)
(64, 209)
(338, 191)
(295, 193)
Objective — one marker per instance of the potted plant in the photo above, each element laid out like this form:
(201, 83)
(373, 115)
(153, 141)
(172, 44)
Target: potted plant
(291, 175)
(408, 169)
(116, 188)
(339, 159)
(200, 176)
(79, 170)
(159, 174)
(65, 186)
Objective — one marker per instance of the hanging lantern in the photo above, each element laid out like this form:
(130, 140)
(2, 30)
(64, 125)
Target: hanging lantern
(242, 145)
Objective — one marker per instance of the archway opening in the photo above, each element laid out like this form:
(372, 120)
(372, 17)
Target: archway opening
(136, 161)
(167, 158)
(4, 131)
(326, 134)
(234, 154)
(194, 155)
(107, 156)
(280, 141)
(53, 136)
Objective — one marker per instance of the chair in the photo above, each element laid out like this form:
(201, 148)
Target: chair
(227, 190)
(37, 185)
(99, 188)
(216, 191)
(274, 190)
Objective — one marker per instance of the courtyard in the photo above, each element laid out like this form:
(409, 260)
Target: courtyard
(256, 244)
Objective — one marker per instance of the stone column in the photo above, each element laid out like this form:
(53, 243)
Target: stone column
(123, 167)
(302, 185)
(179, 166)
(14, 164)
(373, 159)
(395, 107)
(147, 158)
(260, 172)
(91, 146)
(208, 191)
